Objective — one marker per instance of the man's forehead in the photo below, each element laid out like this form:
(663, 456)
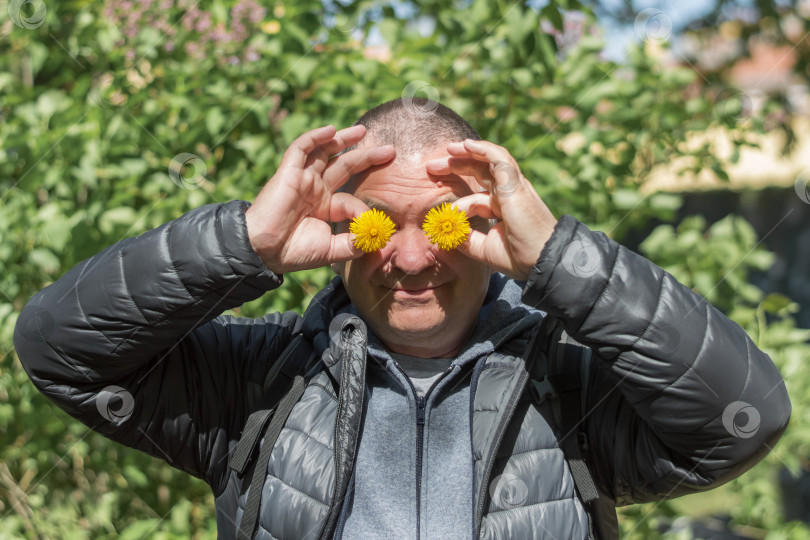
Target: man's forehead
(410, 193)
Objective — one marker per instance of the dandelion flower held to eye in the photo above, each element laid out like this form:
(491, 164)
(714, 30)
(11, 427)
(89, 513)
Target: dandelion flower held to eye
(446, 226)
(371, 230)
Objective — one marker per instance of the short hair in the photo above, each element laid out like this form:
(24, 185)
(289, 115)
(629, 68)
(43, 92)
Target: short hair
(414, 125)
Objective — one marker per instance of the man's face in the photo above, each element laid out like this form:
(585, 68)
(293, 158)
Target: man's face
(418, 299)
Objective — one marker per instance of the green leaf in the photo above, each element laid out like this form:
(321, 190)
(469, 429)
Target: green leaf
(214, 120)
(135, 476)
(44, 259)
(552, 13)
(776, 302)
(123, 215)
(294, 125)
(302, 68)
(139, 529)
(252, 144)
(391, 30)
(51, 102)
(626, 199)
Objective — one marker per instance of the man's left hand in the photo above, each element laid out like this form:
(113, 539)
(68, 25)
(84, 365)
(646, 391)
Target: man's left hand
(525, 223)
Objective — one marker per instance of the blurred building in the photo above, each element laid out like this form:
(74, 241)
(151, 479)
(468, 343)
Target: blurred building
(768, 185)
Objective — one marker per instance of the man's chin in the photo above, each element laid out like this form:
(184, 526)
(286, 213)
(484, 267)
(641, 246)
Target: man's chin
(419, 327)
(416, 327)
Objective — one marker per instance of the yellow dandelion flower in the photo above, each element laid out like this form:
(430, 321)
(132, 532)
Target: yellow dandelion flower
(371, 230)
(446, 226)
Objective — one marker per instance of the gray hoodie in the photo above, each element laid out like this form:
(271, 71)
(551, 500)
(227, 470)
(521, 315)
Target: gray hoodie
(388, 498)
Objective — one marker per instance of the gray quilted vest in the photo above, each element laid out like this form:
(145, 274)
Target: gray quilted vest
(523, 485)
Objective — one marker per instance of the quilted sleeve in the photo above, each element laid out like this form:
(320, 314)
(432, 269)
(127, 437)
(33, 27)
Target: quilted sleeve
(129, 342)
(681, 399)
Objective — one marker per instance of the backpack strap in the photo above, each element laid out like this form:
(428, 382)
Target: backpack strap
(565, 372)
(266, 424)
(555, 362)
(560, 371)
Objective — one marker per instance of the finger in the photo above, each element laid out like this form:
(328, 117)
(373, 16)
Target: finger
(317, 159)
(342, 248)
(508, 179)
(462, 166)
(344, 166)
(345, 206)
(502, 166)
(478, 204)
(344, 139)
(474, 246)
(485, 151)
(298, 151)
(489, 248)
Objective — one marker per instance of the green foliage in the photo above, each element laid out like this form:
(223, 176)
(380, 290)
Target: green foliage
(108, 132)
(716, 262)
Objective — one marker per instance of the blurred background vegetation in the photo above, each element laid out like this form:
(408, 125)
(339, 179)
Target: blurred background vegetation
(119, 115)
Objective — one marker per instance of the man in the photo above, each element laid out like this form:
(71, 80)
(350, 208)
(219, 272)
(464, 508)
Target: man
(416, 420)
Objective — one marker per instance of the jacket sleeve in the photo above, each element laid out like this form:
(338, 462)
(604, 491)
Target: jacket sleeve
(128, 341)
(680, 400)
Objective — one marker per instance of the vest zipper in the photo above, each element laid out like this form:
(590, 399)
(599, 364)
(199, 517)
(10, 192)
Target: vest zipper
(421, 401)
(342, 519)
(509, 409)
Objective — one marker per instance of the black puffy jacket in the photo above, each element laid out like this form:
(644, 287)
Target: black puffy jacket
(139, 321)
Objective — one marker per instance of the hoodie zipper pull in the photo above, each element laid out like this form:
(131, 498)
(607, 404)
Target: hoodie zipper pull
(420, 410)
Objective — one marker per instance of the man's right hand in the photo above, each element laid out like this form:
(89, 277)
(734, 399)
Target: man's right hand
(289, 222)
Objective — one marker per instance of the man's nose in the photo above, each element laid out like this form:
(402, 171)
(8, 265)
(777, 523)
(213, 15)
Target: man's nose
(411, 252)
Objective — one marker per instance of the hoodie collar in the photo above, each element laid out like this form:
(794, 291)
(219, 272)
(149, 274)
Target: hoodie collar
(502, 319)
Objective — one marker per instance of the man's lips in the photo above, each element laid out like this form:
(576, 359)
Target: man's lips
(412, 292)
